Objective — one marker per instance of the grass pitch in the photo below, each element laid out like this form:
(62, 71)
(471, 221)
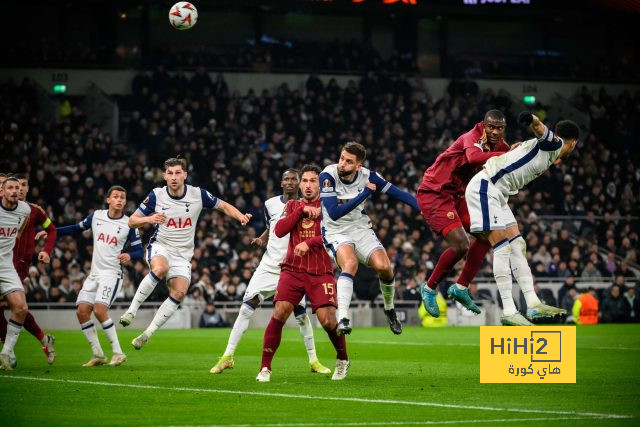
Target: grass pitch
(420, 377)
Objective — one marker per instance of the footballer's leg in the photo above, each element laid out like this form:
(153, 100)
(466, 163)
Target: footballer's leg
(272, 338)
(347, 260)
(306, 331)
(379, 261)
(101, 311)
(159, 266)
(18, 305)
(178, 287)
(83, 312)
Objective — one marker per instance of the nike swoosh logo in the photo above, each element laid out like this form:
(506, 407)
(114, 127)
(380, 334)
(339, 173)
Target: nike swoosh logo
(98, 223)
(165, 315)
(164, 209)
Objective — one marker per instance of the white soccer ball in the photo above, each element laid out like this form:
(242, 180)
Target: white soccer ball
(183, 15)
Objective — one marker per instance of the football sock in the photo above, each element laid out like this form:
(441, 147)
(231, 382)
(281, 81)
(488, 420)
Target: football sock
(339, 343)
(239, 327)
(502, 274)
(345, 292)
(445, 264)
(145, 289)
(109, 329)
(272, 337)
(475, 258)
(31, 326)
(13, 331)
(388, 291)
(164, 313)
(92, 336)
(306, 330)
(522, 271)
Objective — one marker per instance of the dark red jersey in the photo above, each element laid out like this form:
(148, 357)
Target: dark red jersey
(25, 244)
(302, 229)
(454, 168)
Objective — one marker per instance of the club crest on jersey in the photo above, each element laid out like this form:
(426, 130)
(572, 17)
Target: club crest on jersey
(8, 231)
(179, 223)
(108, 239)
(327, 186)
(450, 215)
(308, 223)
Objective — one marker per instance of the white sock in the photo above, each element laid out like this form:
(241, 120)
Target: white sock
(306, 330)
(109, 329)
(166, 310)
(13, 332)
(145, 288)
(459, 286)
(92, 336)
(502, 274)
(239, 326)
(388, 291)
(345, 291)
(522, 271)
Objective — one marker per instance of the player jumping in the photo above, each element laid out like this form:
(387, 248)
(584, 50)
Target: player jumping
(307, 269)
(13, 215)
(347, 230)
(442, 203)
(111, 233)
(487, 195)
(264, 281)
(174, 210)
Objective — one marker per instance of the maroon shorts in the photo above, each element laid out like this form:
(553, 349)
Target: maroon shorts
(321, 290)
(443, 211)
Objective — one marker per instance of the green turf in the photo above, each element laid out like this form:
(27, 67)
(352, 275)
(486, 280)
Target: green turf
(439, 366)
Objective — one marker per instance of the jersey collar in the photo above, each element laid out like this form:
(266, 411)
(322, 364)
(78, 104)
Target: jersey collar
(177, 197)
(349, 182)
(9, 210)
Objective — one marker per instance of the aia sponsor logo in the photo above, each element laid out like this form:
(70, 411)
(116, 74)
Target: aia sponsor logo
(108, 239)
(179, 223)
(8, 231)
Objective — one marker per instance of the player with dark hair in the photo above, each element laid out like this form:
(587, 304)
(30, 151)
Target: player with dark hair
(442, 203)
(487, 195)
(306, 269)
(114, 244)
(264, 280)
(22, 258)
(347, 230)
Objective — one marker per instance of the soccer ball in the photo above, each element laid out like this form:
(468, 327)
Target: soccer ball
(183, 15)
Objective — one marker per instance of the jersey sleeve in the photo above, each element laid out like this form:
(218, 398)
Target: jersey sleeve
(550, 141)
(135, 244)
(209, 201)
(148, 206)
(382, 185)
(327, 185)
(393, 191)
(78, 228)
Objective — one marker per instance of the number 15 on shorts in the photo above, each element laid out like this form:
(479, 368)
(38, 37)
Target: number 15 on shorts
(328, 288)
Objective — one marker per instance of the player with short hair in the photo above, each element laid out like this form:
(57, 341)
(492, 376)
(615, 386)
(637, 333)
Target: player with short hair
(264, 281)
(442, 203)
(347, 230)
(306, 269)
(13, 216)
(487, 196)
(173, 210)
(22, 258)
(114, 244)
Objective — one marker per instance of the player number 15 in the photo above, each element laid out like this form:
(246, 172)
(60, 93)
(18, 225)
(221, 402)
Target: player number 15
(328, 288)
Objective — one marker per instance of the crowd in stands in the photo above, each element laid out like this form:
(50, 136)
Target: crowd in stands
(237, 146)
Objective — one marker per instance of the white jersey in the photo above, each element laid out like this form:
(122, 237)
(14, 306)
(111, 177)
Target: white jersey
(331, 185)
(110, 236)
(511, 171)
(277, 246)
(179, 229)
(11, 223)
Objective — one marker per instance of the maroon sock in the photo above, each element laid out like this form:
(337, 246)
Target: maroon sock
(339, 343)
(3, 324)
(32, 326)
(272, 336)
(474, 261)
(445, 264)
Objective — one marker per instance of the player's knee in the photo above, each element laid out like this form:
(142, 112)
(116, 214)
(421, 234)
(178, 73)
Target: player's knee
(461, 246)
(100, 310)
(329, 323)
(20, 310)
(350, 266)
(160, 270)
(177, 295)
(83, 312)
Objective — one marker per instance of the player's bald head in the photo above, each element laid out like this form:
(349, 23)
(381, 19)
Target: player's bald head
(494, 115)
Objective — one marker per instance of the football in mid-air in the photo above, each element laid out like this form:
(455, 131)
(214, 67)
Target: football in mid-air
(183, 15)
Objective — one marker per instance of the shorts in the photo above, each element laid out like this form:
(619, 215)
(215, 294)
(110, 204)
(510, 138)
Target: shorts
(321, 290)
(364, 242)
(443, 211)
(178, 266)
(99, 290)
(9, 280)
(488, 208)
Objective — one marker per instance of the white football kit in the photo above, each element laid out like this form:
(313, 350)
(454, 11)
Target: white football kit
(174, 239)
(489, 190)
(11, 222)
(264, 281)
(110, 236)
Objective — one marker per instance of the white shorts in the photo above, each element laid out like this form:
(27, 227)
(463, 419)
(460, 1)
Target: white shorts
(9, 280)
(263, 284)
(178, 266)
(364, 242)
(99, 290)
(488, 208)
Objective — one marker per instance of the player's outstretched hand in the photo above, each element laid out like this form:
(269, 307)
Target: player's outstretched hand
(41, 233)
(244, 219)
(44, 257)
(157, 218)
(311, 212)
(371, 186)
(124, 258)
(301, 249)
(525, 118)
(258, 243)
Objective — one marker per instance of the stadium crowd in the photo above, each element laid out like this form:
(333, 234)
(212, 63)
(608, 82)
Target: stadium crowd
(237, 146)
